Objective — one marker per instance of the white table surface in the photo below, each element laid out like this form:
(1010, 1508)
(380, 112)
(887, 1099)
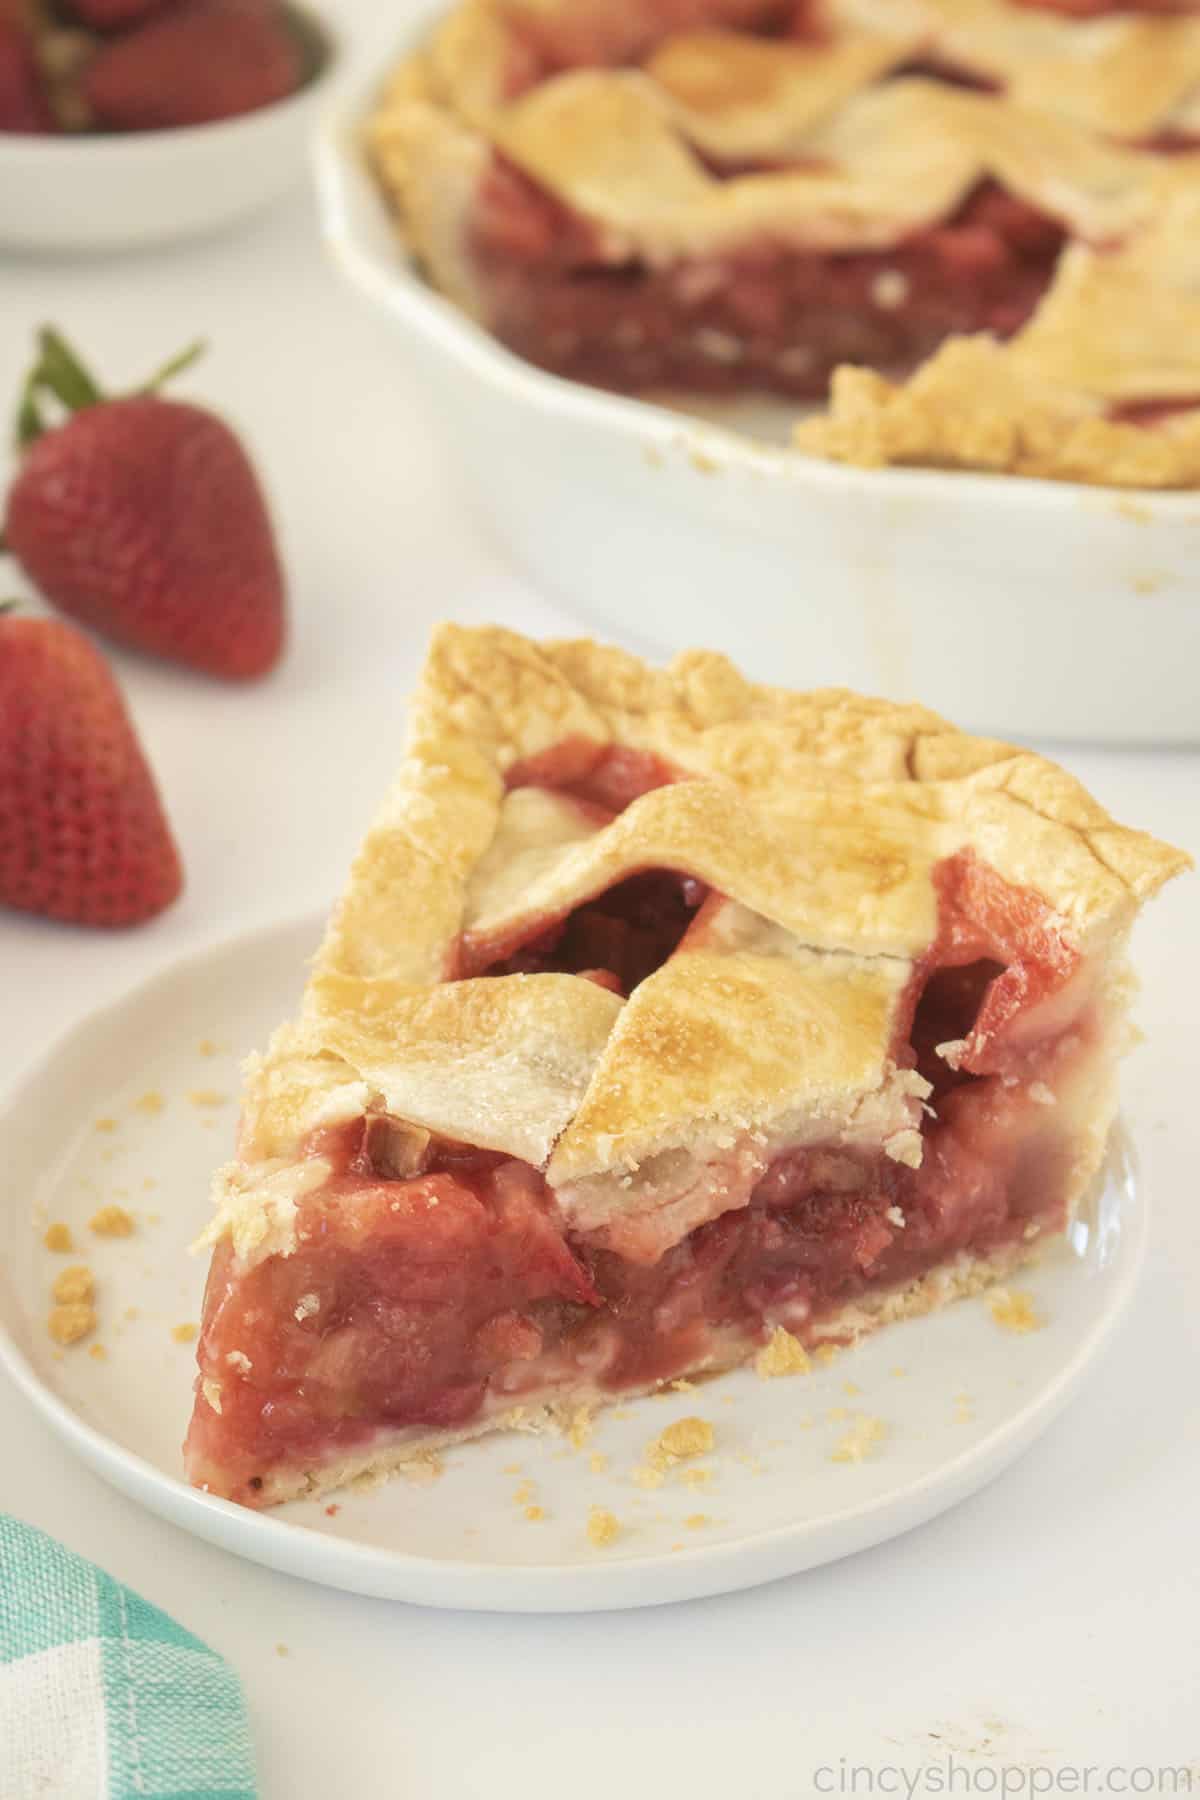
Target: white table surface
(1054, 1619)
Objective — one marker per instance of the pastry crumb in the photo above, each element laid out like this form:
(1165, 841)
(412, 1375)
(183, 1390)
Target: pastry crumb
(534, 1514)
(825, 1353)
(696, 1478)
(237, 1359)
(106, 1124)
(851, 1387)
(597, 1462)
(72, 1321)
(97, 1352)
(580, 1429)
(207, 1097)
(1014, 1311)
(148, 1184)
(783, 1355)
(75, 1283)
(525, 1492)
(111, 1221)
(150, 1102)
(423, 1470)
(697, 1521)
(212, 1393)
(58, 1238)
(206, 1047)
(511, 1469)
(859, 1442)
(186, 1333)
(648, 1478)
(132, 1313)
(899, 1372)
(282, 1650)
(683, 1386)
(836, 1413)
(686, 1437)
(603, 1527)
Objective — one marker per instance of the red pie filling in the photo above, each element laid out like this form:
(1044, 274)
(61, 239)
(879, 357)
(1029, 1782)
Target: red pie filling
(428, 1301)
(617, 939)
(768, 316)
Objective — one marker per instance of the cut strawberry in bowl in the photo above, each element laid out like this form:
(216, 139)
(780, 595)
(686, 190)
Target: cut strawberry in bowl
(813, 1026)
(160, 122)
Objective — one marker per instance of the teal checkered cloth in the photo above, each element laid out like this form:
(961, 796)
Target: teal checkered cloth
(103, 1697)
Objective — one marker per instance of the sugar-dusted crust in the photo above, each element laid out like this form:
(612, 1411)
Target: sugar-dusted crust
(413, 1447)
(622, 121)
(820, 816)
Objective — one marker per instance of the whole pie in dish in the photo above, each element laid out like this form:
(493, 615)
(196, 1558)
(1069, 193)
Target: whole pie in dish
(729, 195)
(663, 1013)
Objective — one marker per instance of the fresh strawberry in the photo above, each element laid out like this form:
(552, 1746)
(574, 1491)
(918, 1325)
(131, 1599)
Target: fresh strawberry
(143, 518)
(203, 60)
(83, 836)
(112, 15)
(23, 103)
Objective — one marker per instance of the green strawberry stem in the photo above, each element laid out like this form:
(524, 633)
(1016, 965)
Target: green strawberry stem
(177, 364)
(59, 374)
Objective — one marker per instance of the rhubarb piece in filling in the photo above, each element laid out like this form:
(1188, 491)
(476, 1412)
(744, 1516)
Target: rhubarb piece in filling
(647, 1061)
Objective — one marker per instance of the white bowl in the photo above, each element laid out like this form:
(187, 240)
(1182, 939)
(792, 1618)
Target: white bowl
(1025, 608)
(129, 189)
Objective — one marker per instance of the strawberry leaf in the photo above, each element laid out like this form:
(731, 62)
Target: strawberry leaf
(30, 424)
(61, 371)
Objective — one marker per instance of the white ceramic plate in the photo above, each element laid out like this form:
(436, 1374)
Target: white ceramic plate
(958, 1397)
(972, 593)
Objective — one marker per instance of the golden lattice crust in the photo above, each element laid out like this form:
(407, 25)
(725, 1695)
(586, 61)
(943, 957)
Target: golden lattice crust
(820, 816)
(855, 155)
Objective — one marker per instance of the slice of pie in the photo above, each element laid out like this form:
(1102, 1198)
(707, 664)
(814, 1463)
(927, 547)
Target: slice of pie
(734, 195)
(663, 1012)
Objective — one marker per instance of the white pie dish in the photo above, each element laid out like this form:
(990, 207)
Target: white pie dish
(128, 190)
(959, 1399)
(1019, 607)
